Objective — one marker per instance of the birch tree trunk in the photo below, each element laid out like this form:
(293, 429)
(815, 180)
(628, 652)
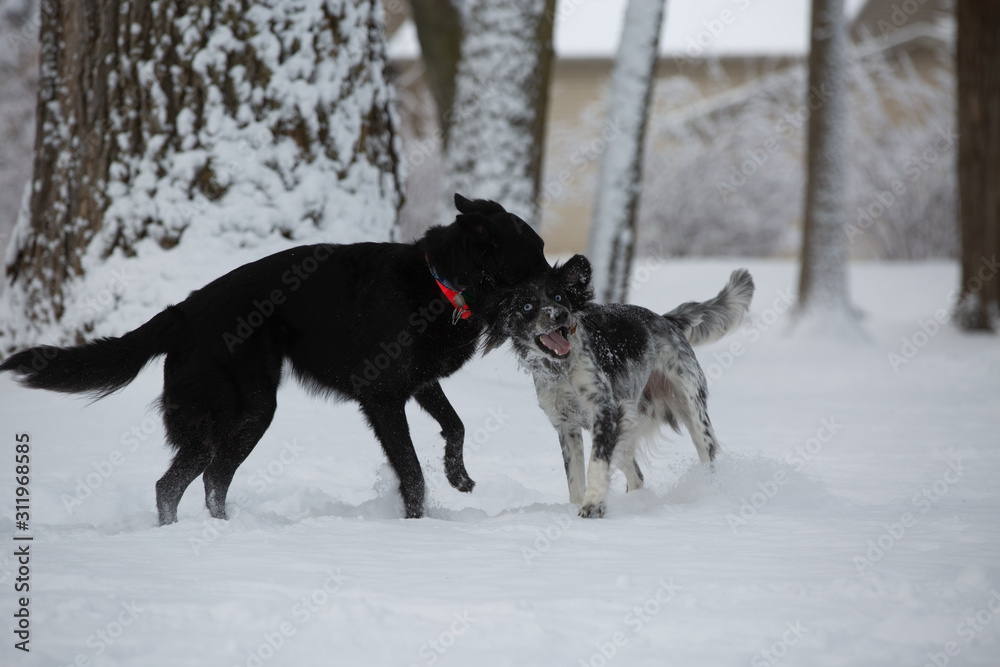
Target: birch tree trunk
(823, 277)
(978, 73)
(497, 133)
(188, 125)
(613, 227)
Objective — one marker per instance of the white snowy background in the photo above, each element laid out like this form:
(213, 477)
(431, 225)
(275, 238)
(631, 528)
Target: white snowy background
(852, 519)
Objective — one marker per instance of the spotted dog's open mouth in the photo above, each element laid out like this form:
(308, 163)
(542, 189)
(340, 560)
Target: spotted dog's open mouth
(555, 342)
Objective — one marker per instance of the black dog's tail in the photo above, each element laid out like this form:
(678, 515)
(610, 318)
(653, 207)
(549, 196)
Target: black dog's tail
(100, 367)
(708, 321)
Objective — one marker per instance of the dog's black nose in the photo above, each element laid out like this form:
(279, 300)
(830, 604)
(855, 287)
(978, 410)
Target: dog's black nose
(558, 315)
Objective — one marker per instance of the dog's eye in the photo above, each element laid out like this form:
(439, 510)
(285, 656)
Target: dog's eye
(528, 307)
(558, 298)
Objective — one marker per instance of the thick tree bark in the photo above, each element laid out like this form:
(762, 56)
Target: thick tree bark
(978, 73)
(61, 206)
(501, 103)
(613, 227)
(823, 277)
(161, 121)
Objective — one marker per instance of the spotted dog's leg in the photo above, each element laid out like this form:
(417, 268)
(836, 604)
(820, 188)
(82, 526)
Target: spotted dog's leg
(633, 475)
(571, 441)
(605, 435)
(695, 418)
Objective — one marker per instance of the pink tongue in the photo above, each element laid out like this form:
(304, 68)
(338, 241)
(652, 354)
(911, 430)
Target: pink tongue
(555, 342)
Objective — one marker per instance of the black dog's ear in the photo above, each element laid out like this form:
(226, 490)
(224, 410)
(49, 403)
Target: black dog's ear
(574, 276)
(463, 205)
(477, 206)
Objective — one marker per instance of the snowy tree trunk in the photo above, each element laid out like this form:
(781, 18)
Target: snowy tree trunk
(501, 99)
(823, 277)
(18, 94)
(613, 228)
(234, 125)
(978, 70)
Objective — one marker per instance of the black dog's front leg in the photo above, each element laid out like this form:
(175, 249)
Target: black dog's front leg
(432, 399)
(388, 420)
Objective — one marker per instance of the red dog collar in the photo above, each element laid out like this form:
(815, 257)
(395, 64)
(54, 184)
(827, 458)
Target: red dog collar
(455, 296)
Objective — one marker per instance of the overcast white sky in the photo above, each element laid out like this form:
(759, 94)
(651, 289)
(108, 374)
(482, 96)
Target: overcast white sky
(592, 28)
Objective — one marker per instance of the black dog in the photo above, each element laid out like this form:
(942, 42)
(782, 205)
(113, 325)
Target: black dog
(616, 369)
(378, 323)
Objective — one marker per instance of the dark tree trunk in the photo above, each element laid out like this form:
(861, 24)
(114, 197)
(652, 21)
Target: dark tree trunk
(978, 73)
(439, 29)
(64, 212)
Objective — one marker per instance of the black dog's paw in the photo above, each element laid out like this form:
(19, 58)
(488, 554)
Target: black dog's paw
(463, 484)
(592, 511)
(458, 478)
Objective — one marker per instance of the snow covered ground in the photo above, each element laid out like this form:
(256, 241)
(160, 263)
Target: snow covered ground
(852, 519)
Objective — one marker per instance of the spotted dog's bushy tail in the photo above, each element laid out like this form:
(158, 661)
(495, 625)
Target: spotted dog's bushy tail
(707, 321)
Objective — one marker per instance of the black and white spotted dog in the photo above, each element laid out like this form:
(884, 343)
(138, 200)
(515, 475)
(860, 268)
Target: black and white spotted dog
(619, 370)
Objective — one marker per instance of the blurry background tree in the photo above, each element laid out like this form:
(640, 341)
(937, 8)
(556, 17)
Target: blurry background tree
(978, 70)
(19, 24)
(823, 271)
(496, 127)
(612, 241)
(486, 64)
(439, 30)
(216, 132)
